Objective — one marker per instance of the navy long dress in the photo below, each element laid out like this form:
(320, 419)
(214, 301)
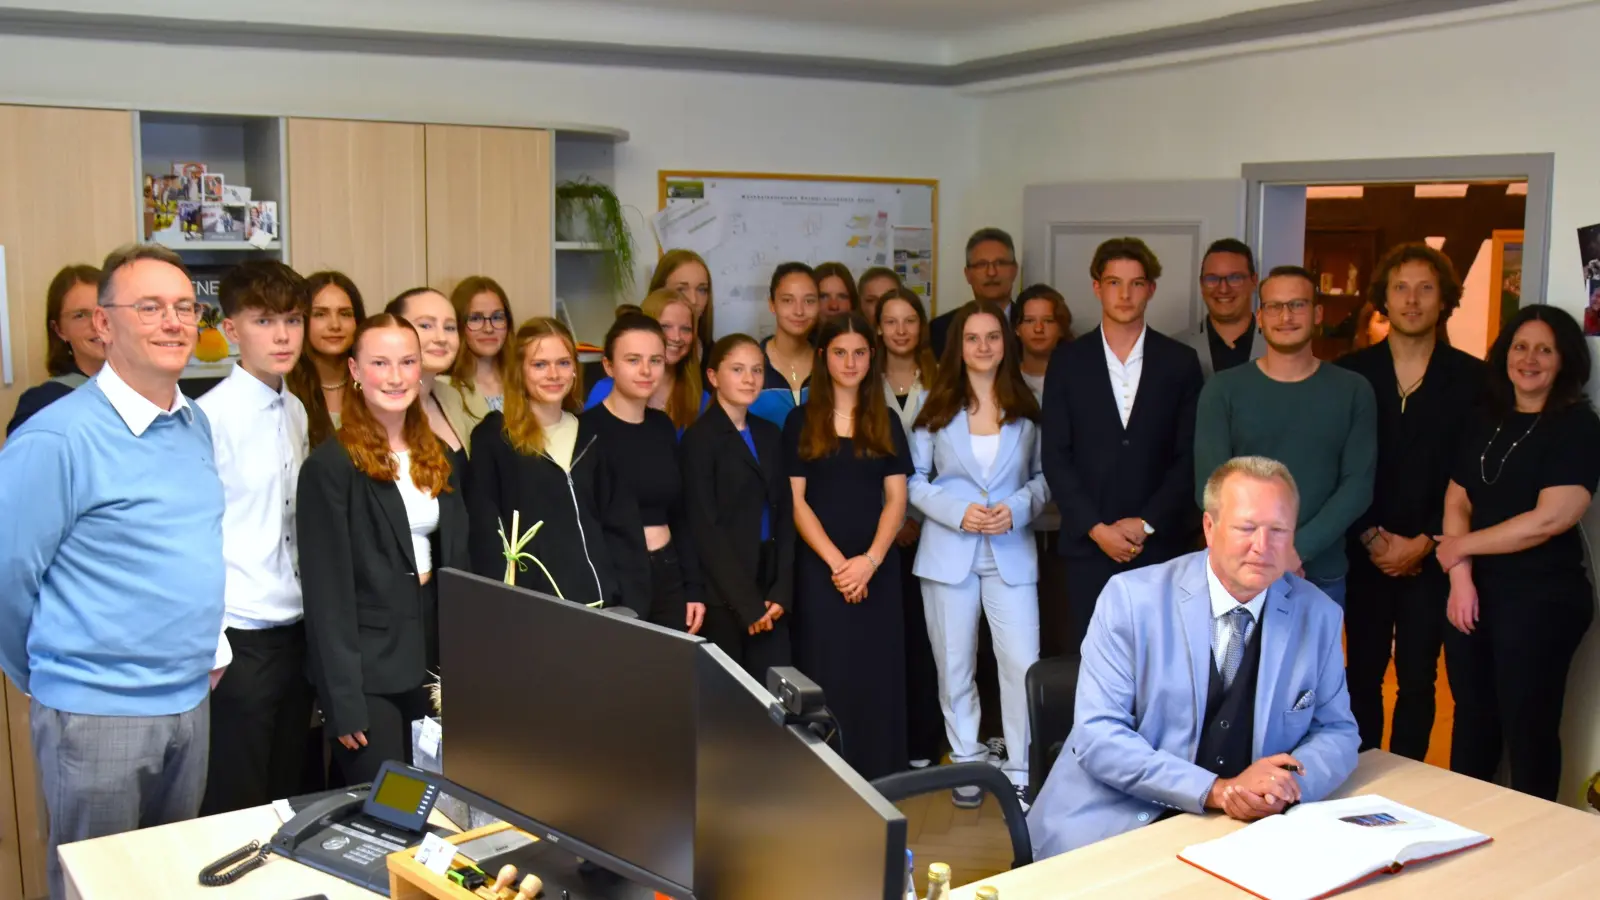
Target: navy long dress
(854, 651)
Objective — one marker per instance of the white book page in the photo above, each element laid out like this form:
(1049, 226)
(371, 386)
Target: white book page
(1320, 847)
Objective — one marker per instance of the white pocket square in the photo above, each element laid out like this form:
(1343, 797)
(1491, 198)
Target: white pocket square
(1305, 701)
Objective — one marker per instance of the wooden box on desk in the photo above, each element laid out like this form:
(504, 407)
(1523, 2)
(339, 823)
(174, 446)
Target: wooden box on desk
(410, 880)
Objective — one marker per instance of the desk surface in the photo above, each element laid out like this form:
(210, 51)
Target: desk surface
(165, 862)
(1540, 849)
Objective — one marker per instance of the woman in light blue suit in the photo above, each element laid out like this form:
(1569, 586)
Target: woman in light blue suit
(979, 481)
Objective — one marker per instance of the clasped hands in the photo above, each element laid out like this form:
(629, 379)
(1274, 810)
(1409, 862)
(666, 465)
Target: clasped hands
(1394, 555)
(851, 576)
(1121, 540)
(1264, 789)
(986, 519)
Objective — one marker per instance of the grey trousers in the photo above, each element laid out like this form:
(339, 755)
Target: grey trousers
(105, 775)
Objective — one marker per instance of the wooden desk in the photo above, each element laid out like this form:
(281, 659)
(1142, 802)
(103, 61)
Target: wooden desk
(165, 862)
(1540, 849)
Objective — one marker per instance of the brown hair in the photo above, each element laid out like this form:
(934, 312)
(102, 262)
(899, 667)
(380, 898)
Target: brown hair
(874, 274)
(683, 406)
(263, 284)
(522, 429)
(465, 373)
(1043, 292)
(1129, 248)
(926, 361)
(303, 381)
(1449, 283)
(127, 255)
(58, 353)
(368, 444)
(842, 272)
(727, 344)
(670, 262)
(952, 390)
(872, 430)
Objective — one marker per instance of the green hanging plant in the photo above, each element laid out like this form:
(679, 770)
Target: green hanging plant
(588, 205)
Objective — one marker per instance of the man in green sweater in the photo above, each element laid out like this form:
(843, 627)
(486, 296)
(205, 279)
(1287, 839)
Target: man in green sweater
(1320, 421)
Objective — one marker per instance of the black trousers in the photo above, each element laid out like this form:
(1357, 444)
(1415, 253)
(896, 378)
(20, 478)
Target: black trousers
(666, 589)
(756, 653)
(389, 718)
(1055, 611)
(924, 718)
(260, 715)
(1509, 678)
(1409, 613)
(1086, 578)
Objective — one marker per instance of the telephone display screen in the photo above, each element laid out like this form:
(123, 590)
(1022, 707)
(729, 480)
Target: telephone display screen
(400, 793)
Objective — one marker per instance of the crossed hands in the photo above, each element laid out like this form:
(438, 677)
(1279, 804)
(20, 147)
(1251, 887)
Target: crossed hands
(1397, 556)
(1121, 540)
(1262, 790)
(850, 577)
(986, 519)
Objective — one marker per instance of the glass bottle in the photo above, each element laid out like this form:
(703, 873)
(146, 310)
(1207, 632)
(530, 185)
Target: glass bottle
(939, 881)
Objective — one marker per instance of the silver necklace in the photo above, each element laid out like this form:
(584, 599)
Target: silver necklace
(1500, 469)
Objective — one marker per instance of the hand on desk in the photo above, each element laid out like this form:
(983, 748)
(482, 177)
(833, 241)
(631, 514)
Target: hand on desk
(1261, 790)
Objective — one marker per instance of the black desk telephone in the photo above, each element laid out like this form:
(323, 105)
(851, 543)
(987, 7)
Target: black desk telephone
(349, 834)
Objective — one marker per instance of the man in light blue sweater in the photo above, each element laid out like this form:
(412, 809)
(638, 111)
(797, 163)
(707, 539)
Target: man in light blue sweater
(111, 571)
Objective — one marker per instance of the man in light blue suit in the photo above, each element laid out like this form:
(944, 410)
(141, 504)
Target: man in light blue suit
(1214, 681)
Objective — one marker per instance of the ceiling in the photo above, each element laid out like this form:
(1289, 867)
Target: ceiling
(936, 42)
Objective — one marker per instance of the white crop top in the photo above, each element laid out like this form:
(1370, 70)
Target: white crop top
(985, 447)
(422, 511)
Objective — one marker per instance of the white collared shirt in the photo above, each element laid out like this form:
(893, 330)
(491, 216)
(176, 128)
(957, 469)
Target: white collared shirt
(136, 411)
(1125, 374)
(1223, 603)
(259, 436)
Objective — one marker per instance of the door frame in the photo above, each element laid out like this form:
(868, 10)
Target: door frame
(1537, 168)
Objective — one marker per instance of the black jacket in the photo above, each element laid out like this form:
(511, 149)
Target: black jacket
(591, 542)
(1417, 450)
(370, 627)
(1098, 470)
(724, 488)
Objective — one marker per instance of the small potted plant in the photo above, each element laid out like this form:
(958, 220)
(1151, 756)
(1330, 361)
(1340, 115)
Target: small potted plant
(589, 211)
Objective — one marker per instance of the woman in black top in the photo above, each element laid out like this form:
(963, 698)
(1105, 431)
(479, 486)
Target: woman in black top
(641, 443)
(379, 511)
(741, 513)
(1519, 598)
(74, 353)
(848, 461)
(528, 460)
(789, 353)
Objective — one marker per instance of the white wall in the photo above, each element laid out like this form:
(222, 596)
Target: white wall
(1512, 85)
(677, 120)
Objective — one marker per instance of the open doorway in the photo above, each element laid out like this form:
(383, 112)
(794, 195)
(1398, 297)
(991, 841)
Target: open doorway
(1489, 214)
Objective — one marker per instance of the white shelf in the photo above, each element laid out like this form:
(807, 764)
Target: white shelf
(215, 246)
(579, 246)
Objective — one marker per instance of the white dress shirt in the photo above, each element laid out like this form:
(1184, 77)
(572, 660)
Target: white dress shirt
(259, 436)
(1125, 374)
(1223, 603)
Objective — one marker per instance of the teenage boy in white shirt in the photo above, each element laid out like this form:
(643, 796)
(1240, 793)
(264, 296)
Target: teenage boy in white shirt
(261, 709)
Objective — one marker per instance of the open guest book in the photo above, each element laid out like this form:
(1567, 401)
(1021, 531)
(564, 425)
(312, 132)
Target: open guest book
(1319, 849)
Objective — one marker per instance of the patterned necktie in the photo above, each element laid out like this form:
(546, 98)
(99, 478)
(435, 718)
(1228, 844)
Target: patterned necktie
(1233, 634)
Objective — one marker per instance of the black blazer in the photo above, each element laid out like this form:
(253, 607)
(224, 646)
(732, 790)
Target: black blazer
(370, 627)
(724, 489)
(1417, 451)
(1098, 470)
(592, 540)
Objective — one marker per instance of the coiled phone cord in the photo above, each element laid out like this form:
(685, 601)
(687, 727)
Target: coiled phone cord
(214, 876)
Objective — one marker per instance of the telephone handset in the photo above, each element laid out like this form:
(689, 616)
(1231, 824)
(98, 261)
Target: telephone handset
(349, 834)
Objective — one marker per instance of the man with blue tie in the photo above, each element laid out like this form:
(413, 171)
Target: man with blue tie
(1214, 681)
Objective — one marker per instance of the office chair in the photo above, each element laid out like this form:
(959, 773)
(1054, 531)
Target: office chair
(943, 779)
(1052, 686)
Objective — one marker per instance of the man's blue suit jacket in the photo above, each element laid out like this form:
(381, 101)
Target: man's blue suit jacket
(1142, 697)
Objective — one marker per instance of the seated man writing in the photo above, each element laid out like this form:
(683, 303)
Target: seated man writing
(1214, 681)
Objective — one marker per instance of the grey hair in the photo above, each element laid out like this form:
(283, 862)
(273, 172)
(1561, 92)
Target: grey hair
(127, 255)
(1260, 468)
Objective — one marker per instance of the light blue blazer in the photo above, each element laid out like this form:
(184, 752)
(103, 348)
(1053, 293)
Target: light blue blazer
(948, 478)
(1142, 696)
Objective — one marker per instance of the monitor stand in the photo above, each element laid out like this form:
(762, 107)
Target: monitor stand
(565, 876)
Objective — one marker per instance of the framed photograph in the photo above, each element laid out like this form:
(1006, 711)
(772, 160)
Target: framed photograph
(211, 188)
(1505, 279)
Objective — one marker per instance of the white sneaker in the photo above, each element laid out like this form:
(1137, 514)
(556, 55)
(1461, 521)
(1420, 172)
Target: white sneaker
(997, 750)
(921, 763)
(968, 797)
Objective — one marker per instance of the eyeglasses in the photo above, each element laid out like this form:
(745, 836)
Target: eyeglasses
(1277, 309)
(493, 321)
(991, 265)
(1237, 279)
(153, 311)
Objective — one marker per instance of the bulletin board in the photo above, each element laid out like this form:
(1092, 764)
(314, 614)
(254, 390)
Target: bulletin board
(745, 223)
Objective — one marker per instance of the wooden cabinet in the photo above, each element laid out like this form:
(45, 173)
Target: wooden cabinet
(358, 204)
(66, 196)
(490, 211)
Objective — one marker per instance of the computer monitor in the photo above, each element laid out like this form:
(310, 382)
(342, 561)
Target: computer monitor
(780, 815)
(576, 718)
